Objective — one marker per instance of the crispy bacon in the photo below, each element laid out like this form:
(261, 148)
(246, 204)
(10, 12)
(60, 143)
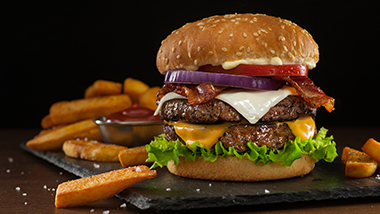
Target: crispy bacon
(196, 94)
(310, 92)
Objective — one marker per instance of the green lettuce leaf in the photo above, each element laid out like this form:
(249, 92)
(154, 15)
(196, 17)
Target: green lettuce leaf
(160, 151)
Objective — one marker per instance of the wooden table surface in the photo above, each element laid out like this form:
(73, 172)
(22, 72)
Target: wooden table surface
(28, 183)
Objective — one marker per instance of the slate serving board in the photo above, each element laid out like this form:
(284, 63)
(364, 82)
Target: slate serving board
(170, 192)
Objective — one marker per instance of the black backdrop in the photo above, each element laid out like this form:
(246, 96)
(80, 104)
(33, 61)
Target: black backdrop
(53, 50)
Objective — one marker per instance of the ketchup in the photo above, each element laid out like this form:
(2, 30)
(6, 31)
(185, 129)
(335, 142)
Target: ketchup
(134, 113)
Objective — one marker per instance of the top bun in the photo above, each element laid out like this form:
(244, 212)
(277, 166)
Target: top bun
(224, 40)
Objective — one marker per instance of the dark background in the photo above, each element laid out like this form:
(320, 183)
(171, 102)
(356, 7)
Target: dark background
(53, 50)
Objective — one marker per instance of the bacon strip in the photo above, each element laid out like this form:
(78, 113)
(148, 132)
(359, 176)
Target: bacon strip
(310, 92)
(196, 94)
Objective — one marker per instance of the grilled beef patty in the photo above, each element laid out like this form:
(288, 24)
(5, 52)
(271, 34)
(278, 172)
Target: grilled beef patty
(290, 108)
(237, 136)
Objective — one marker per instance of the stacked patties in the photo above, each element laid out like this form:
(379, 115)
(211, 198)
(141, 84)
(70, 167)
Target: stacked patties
(237, 102)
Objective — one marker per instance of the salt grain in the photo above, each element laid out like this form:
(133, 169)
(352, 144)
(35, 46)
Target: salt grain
(96, 165)
(8, 170)
(45, 187)
(60, 173)
(123, 205)
(266, 191)
(168, 189)
(92, 210)
(198, 190)
(10, 160)
(24, 194)
(209, 184)
(18, 188)
(106, 212)
(138, 169)
(26, 203)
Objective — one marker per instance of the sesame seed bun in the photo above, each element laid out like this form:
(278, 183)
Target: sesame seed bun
(235, 169)
(255, 38)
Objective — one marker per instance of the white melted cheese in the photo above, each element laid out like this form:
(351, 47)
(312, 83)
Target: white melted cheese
(251, 104)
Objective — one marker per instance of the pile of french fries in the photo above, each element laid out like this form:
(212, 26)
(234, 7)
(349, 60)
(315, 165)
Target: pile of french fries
(362, 164)
(69, 124)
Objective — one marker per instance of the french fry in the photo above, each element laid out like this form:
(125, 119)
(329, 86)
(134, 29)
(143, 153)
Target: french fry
(133, 156)
(134, 88)
(372, 148)
(358, 164)
(55, 138)
(99, 187)
(103, 88)
(148, 98)
(92, 150)
(46, 122)
(66, 112)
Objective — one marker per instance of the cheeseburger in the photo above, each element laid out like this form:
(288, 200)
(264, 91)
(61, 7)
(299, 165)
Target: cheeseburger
(237, 101)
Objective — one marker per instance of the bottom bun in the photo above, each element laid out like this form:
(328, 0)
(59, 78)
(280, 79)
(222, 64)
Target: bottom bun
(236, 169)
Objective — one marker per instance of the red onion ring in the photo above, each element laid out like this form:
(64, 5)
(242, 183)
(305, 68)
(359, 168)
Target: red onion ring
(230, 80)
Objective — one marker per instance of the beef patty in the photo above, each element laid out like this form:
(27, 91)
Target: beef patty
(237, 136)
(290, 108)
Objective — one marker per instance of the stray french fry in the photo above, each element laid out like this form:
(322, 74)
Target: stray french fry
(92, 150)
(148, 98)
(358, 164)
(66, 112)
(55, 138)
(372, 148)
(133, 156)
(103, 88)
(99, 187)
(134, 88)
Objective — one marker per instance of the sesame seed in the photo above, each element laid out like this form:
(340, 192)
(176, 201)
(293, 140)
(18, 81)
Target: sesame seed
(285, 48)
(294, 43)
(245, 35)
(241, 48)
(269, 28)
(238, 18)
(223, 20)
(255, 19)
(251, 21)
(237, 23)
(282, 26)
(281, 38)
(166, 60)
(248, 49)
(221, 31)
(224, 49)
(262, 30)
(173, 49)
(232, 20)
(210, 53)
(200, 23)
(239, 54)
(180, 42)
(213, 25)
(199, 48)
(195, 62)
(290, 55)
(189, 54)
(178, 56)
(255, 34)
(231, 34)
(272, 51)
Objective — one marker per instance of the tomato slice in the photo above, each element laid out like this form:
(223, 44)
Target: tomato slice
(259, 70)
